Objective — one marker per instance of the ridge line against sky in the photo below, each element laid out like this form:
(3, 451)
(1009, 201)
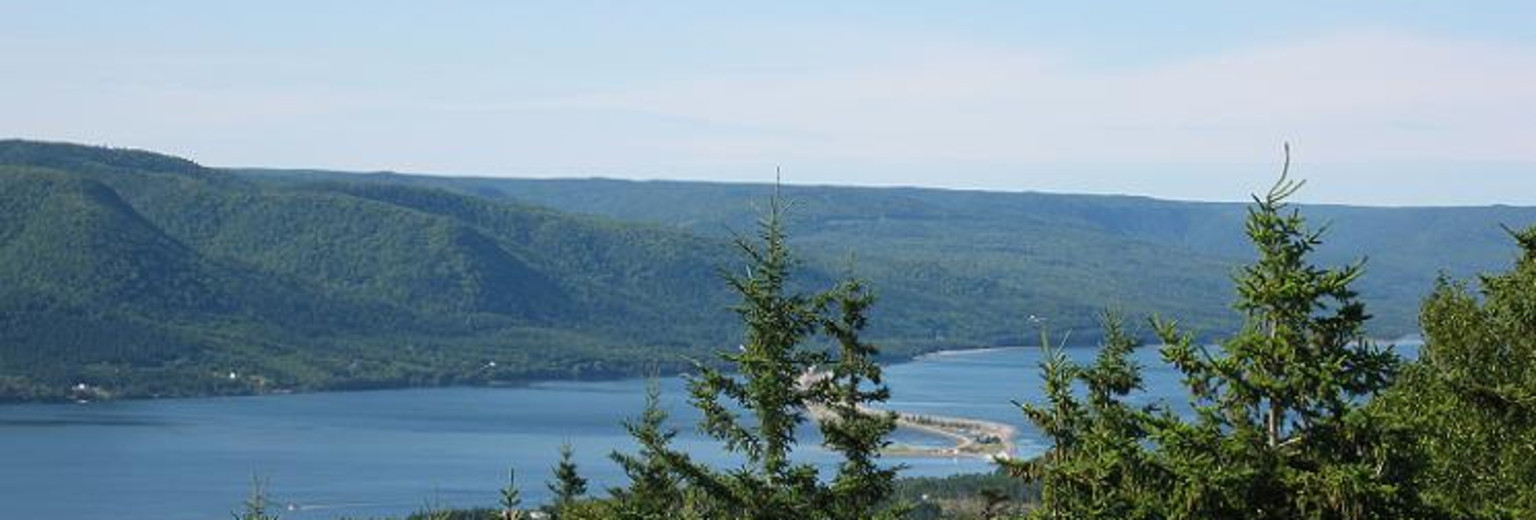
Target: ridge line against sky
(1386, 103)
(789, 181)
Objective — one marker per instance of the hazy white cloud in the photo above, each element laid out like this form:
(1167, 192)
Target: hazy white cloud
(1369, 96)
(1362, 108)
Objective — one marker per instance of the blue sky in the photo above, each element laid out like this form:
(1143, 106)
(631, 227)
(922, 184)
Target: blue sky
(1385, 102)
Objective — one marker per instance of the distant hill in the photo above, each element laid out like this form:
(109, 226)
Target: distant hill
(140, 274)
(1050, 254)
(148, 275)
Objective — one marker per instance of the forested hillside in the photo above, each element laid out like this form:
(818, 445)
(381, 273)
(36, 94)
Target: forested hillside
(138, 274)
(1058, 254)
(146, 275)
(141, 274)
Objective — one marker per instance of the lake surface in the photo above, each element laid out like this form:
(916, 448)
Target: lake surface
(363, 454)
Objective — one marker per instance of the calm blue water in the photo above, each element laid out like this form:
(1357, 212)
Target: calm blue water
(392, 452)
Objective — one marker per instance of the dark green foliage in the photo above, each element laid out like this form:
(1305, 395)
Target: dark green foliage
(958, 266)
(755, 411)
(853, 382)
(1471, 397)
(766, 385)
(1281, 427)
(949, 274)
(972, 496)
(73, 157)
(1098, 467)
(1280, 431)
(655, 490)
(140, 276)
(568, 485)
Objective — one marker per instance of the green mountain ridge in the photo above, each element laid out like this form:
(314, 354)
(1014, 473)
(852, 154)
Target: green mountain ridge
(161, 281)
(1142, 254)
(937, 287)
(140, 274)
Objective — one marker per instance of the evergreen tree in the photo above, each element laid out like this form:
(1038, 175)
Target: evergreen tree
(255, 507)
(568, 485)
(511, 499)
(1471, 397)
(756, 408)
(1097, 466)
(862, 487)
(768, 365)
(1280, 432)
(654, 491)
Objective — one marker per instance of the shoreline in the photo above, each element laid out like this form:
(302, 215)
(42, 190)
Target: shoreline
(954, 352)
(1410, 340)
(970, 437)
(503, 383)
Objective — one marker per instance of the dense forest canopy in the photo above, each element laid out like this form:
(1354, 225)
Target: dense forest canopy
(140, 274)
(1046, 254)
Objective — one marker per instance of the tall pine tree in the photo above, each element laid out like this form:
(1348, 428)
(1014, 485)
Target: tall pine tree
(766, 385)
(1280, 431)
(511, 500)
(853, 382)
(655, 490)
(774, 384)
(1097, 467)
(568, 485)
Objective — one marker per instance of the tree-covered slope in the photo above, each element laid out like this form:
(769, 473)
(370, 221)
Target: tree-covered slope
(144, 275)
(1139, 253)
(944, 275)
